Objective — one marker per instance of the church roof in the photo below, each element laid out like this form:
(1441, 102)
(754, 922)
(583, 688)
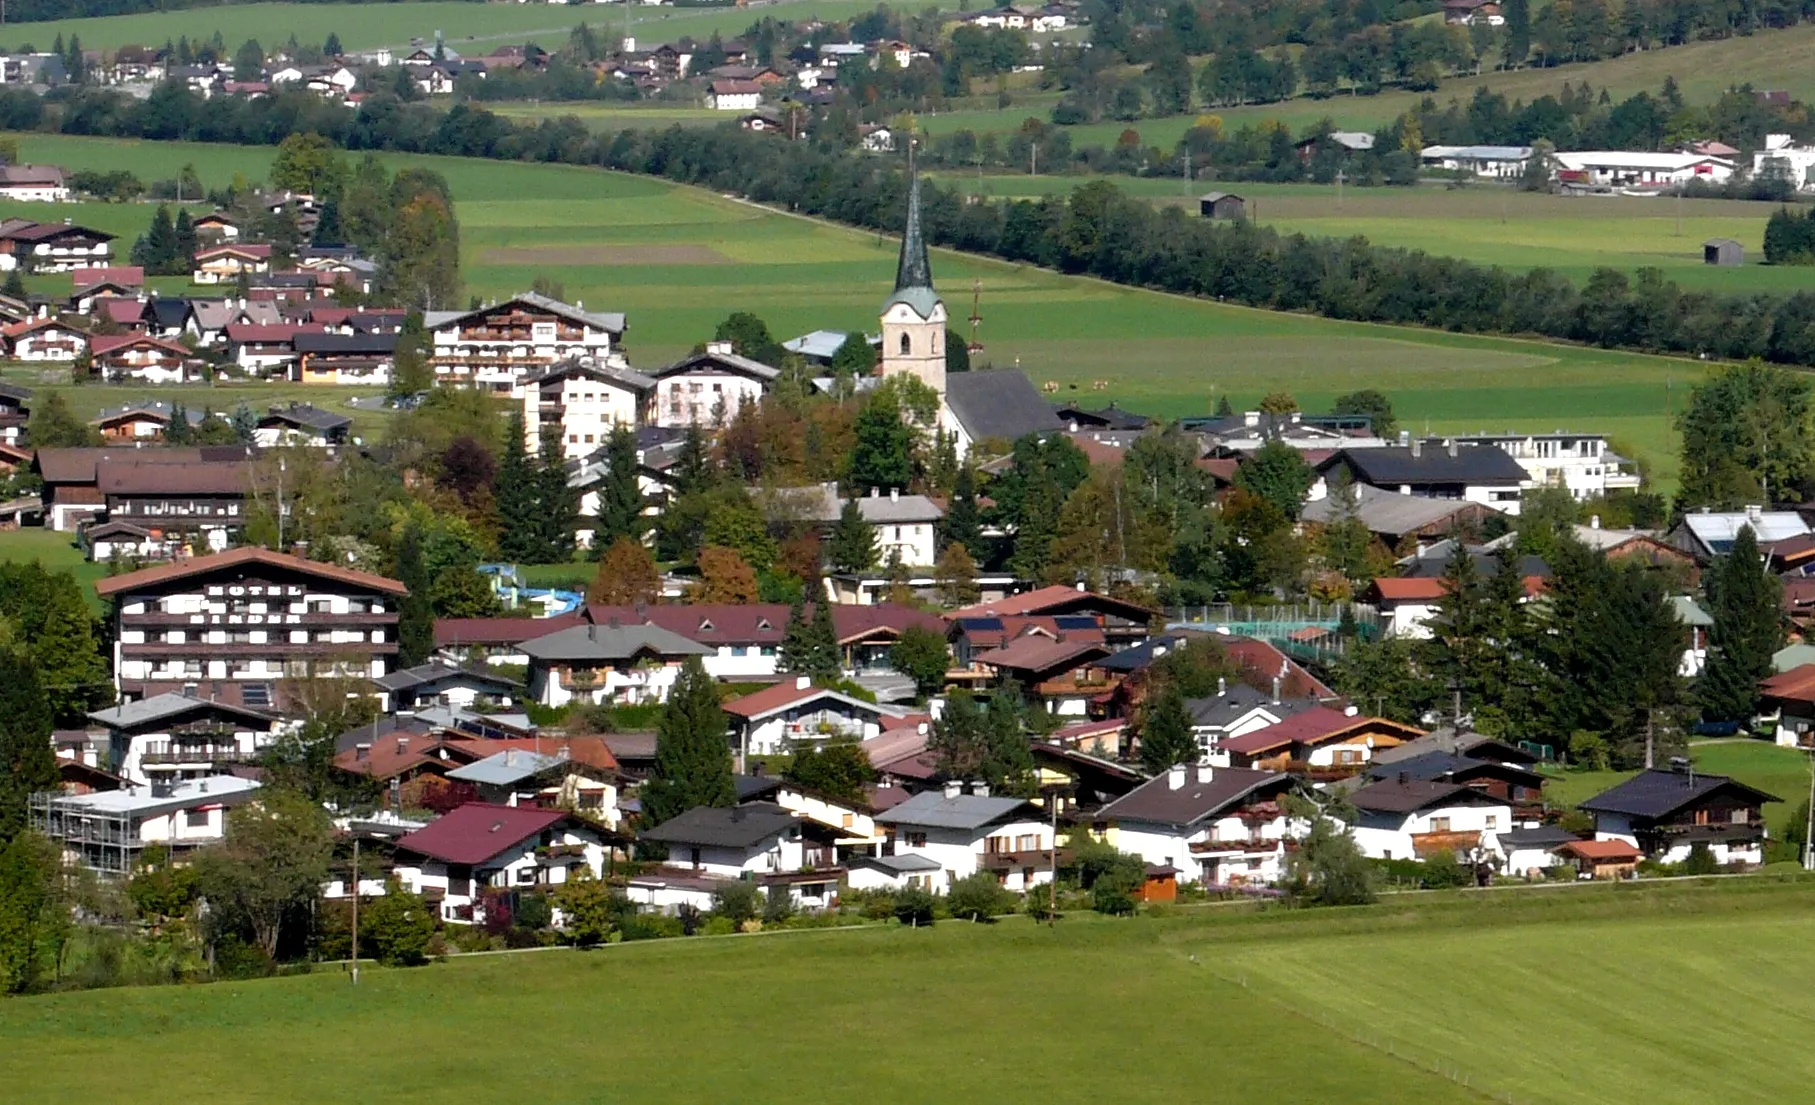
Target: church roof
(998, 404)
(914, 272)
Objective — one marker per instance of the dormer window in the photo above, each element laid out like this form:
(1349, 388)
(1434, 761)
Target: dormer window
(763, 624)
(706, 625)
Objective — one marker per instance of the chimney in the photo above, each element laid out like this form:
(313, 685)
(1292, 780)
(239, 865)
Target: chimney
(1594, 521)
(1175, 777)
(874, 492)
(1250, 418)
(1222, 686)
(1754, 512)
(1205, 773)
(802, 682)
(953, 788)
(403, 745)
(980, 789)
(1351, 710)
(362, 751)
(720, 348)
(1417, 448)
(189, 689)
(1276, 690)
(894, 494)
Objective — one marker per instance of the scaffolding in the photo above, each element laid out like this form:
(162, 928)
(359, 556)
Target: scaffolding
(106, 841)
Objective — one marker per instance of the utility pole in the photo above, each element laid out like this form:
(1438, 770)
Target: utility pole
(1052, 883)
(355, 909)
(1033, 159)
(1808, 830)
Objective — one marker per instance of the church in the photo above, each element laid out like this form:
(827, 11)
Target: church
(999, 405)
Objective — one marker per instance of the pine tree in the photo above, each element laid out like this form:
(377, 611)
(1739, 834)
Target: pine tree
(330, 47)
(1460, 649)
(853, 545)
(514, 491)
(178, 431)
(557, 504)
(796, 654)
(826, 657)
(156, 252)
(692, 756)
(693, 467)
(1166, 736)
(1743, 598)
(184, 233)
(28, 765)
(415, 614)
(15, 284)
(963, 523)
(620, 496)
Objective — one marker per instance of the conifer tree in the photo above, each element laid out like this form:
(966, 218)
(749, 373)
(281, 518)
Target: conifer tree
(825, 658)
(178, 432)
(557, 504)
(963, 523)
(183, 258)
(415, 613)
(1743, 598)
(27, 763)
(796, 654)
(853, 545)
(514, 491)
(1166, 736)
(620, 496)
(692, 755)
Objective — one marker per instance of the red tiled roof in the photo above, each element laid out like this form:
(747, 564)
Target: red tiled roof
(499, 631)
(1039, 653)
(20, 329)
(131, 276)
(1046, 599)
(759, 622)
(257, 251)
(1317, 723)
(770, 699)
(1432, 588)
(126, 312)
(268, 332)
(1795, 685)
(1603, 850)
(250, 555)
(1267, 663)
(477, 831)
(107, 344)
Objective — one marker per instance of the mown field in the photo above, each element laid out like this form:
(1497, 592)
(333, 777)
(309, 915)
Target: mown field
(1768, 59)
(1486, 223)
(366, 26)
(678, 260)
(1560, 995)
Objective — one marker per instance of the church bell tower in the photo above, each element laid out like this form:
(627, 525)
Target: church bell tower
(913, 317)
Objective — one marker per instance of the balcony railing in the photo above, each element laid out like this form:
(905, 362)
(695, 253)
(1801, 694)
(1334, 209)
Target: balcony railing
(167, 754)
(1235, 844)
(247, 649)
(277, 617)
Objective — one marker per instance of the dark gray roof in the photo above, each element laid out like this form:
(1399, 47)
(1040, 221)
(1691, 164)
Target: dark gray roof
(1446, 766)
(1387, 511)
(513, 765)
(1237, 701)
(1660, 793)
(751, 787)
(1142, 655)
(169, 313)
(1000, 404)
(1158, 801)
(934, 810)
(173, 704)
(438, 671)
(305, 414)
(1418, 794)
(733, 363)
(611, 642)
(1393, 465)
(595, 369)
(309, 342)
(914, 272)
(895, 865)
(737, 827)
(1111, 417)
(1547, 836)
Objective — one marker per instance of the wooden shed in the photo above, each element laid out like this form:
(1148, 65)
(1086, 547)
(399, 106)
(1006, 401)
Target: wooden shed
(1222, 205)
(1602, 859)
(1161, 884)
(1723, 251)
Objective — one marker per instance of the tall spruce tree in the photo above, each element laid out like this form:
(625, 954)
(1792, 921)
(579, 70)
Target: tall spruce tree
(692, 756)
(515, 491)
(826, 658)
(853, 545)
(28, 765)
(621, 495)
(557, 504)
(1166, 736)
(1744, 599)
(1461, 650)
(415, 613)
(963, 522)
(184, 235)
(796, 654)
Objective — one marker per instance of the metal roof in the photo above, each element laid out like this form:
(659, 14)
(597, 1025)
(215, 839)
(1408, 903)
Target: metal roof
(934, 810)
(504, 768)
(611, 642)
(145, 711)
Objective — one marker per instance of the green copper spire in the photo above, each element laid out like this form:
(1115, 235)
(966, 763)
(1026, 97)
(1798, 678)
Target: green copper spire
(914, 273)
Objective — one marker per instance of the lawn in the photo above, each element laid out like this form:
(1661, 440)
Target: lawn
(1586, 1000)
(56, 551)
(468, 28)
(678, 260)
(1783, 772)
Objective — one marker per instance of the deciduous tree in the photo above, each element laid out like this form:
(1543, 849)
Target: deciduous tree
(626, 576)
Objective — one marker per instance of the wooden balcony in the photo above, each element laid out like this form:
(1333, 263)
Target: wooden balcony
(203, 650)
(1254, 844)
(285, 618)
(167, 755)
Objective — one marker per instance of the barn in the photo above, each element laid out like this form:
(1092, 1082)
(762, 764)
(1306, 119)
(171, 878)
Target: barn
(1222, 205)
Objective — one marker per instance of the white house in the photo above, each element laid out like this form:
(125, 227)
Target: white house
(759, 838)
(906, 526)
(1222, 826)
(1528, 853)
(967, 833)
(770, 721)
(606, 664)
(1416, 819)
(707, 388)
(1667, 813)
(1491, 162)
(734, 95)
(525, 777)
(1437, 469)
(1237, 710)
(580, 402)
(441, 682)
(1629, 169)
(33, 183)
(479, 846)
(1581, 464)
(44, 339)
(498, 347)
(177, 735)
(108, 831)
(1783, 159)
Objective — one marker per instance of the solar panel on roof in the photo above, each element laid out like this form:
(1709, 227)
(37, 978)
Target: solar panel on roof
(983, 625)
(1075, 621)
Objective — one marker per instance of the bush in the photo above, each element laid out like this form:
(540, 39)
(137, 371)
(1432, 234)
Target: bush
(914, 908)
(1111, 897)
(649, 926)
(1442, 872)
(398, 927)
(1701, 861)
(737, 902)
(978, 897)
(719, 926)
(778, 906)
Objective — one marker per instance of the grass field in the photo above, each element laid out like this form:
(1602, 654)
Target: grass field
(56, 551)
(1488, 224)
(1783, 772)
(1545, 997)
(365, 26)
(678, 260)
(1769, 59)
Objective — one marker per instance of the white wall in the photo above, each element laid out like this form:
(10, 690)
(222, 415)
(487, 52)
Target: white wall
(1389, 836)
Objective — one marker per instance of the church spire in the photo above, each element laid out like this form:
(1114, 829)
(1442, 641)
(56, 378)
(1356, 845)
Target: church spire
(914, 271)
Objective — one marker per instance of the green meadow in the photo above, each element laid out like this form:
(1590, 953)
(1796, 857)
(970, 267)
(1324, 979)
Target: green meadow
(1783, 772)
(461, 22)
(1675, 994)
(678, 260)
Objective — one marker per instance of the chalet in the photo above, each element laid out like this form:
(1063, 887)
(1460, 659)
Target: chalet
(143, 359)
(176, 735)
(1220, 826)
(171, 317)
(1668, 813)
(967, 833)
(759, 841)
(580, 402)
(300, 424)
(606, 664)
(71, 495)
(115, 281)
(734, 95)
(440, 683)
(743, 640)
(135, 422)
(495, 641)
(108, 831)
(1318, 739)
(33, 183)
(51, 247)
(478, 847)
(263, 349)
(1407, 604)
(1238, 709)
(238, 622)
(796, 713)
(215, 227)
(708, 388)
(363, 359)
(1122, 623)
(199, 506)
(227, 262)
(1481, 13)
(550, 779)
(44, 339)
(1602, 859)
(124, 540)
(1049, 671)
(1435, 469)
(1405, 818)
(497, 348)
(1519, 787)
(1393, 517)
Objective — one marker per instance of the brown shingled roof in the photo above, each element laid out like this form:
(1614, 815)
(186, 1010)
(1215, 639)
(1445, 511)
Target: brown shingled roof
(234, 558)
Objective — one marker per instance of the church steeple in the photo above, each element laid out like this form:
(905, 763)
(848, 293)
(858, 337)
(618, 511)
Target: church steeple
(913, 317)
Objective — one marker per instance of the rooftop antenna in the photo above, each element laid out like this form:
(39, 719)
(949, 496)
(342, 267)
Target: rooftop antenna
(976, 346)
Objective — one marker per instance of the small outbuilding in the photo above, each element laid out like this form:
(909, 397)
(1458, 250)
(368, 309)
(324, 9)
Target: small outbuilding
(1724, 252)
(1222, 205)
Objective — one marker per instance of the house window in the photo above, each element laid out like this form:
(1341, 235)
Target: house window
(1439, 824)
(1741, 816)
(195, 819)
(916, 840)
(1027, 842)
(907, 345)
(1493, 822)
